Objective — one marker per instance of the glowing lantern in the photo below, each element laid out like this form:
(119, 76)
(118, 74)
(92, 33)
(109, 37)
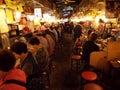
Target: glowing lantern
(23, 21)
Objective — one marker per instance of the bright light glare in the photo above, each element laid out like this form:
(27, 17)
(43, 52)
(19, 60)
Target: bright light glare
(17, 16)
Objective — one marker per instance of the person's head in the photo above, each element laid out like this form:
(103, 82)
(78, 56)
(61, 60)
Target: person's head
(34, 41)
(101, 21)
(114, 32)
(7, 60)
(93, 36)
(19, 48)
(89, 32)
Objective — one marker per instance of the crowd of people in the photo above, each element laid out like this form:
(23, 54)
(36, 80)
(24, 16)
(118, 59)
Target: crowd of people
(30, 56)
(35, 50)
(91, 38)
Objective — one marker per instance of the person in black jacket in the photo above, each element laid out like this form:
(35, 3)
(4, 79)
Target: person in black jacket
(77, 31)
(28, 62)
(89, 47)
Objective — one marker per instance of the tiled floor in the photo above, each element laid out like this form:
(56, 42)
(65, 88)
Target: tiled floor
(62, 78)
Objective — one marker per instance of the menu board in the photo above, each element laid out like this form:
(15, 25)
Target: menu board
(112, 8)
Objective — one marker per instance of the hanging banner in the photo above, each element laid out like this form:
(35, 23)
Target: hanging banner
(12, 7)
(9, 15)
(3, 24)
(13, 4)
(20, 8)
(10, 1)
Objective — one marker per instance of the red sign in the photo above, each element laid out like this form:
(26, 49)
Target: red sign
(1, 1)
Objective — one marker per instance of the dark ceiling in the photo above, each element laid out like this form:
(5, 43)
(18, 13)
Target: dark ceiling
(64, 3)
(63, 7)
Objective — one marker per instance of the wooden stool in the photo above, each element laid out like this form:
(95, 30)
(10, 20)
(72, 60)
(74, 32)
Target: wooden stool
(88, 76)
(92, 86)
(75, 62)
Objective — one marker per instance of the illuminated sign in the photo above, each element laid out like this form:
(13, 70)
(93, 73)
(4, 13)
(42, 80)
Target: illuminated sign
(38, 12)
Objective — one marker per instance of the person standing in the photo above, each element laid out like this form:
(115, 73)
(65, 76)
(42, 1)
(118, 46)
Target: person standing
(101, 27)
(28, 62)
(77, 31)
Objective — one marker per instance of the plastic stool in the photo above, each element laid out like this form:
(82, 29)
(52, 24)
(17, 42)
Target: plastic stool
(75, 61)
(88, 76)
(92, 86)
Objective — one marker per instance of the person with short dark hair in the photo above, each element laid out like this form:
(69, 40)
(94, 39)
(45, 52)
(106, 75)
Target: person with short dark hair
(19, 48)
(27, 61)
(88, 33)
(77, 31)
(101, 27)
(40, 52)
(89, 47)
(9, 72)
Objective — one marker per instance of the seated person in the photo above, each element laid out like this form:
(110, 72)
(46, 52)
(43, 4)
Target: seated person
(9, 72)
(114, 35)
(40, 53)
(89, 47)
(27, 61)
(43, 40)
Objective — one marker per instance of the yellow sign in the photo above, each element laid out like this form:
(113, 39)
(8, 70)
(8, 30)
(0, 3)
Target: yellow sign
(20, 8)
(13, 5)
(3, 24)
(9, 16)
